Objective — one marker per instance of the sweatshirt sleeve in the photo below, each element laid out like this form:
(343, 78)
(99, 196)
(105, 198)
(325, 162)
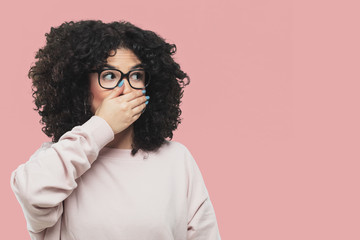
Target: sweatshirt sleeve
(48, 177)
(202, 223)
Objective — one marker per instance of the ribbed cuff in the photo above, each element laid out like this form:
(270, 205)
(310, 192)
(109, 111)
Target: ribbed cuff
(100, 130)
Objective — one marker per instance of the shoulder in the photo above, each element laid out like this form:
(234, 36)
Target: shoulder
(43, 147)
(174, 146)
(173, 150)
(177, 152)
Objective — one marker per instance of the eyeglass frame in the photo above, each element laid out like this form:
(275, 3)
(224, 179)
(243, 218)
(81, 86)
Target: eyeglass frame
(99, 71)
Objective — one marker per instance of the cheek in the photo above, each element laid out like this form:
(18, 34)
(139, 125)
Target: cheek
(98, 95)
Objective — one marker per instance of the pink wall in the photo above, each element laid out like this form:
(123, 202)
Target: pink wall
(271, 115)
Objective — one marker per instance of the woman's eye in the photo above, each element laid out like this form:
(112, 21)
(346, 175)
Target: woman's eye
(108, 76)
(136, 76)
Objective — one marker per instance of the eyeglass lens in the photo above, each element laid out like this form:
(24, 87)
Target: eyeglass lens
(109, 78)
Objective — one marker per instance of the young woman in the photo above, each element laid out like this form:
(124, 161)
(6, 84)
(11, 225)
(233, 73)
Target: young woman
(109, 95)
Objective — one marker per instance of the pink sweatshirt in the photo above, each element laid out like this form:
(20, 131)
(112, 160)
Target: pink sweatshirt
(77, 189)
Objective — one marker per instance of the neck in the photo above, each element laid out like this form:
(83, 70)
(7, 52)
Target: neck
(122, 140)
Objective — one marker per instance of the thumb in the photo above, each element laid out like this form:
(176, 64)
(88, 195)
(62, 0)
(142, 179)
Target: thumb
(117, 90)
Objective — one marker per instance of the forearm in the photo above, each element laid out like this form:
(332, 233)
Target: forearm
(49, 177)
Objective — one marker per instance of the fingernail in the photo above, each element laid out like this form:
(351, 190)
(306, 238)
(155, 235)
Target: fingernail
(121, 83)
(146, 102)
(147, 97)
(144, 91)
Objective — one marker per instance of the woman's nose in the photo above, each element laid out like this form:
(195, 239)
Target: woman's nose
(127, 87)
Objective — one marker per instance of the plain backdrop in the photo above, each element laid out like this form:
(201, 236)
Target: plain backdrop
(271, 114)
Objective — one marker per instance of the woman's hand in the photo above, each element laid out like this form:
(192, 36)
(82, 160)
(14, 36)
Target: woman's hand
(121, 111)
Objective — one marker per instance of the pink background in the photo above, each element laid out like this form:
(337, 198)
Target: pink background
(271, 115)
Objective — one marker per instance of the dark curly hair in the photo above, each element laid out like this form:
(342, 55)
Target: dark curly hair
(61, 87)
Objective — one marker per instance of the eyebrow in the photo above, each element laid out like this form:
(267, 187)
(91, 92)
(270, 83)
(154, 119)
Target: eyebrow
(140, 65)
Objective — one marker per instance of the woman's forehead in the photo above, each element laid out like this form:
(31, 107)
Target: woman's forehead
(122, 52)
(123, 58)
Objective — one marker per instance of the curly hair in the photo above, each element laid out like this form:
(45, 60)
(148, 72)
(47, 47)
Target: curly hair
(61, 87)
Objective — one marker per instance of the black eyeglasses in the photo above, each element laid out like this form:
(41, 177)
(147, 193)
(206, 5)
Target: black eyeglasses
(109, 78)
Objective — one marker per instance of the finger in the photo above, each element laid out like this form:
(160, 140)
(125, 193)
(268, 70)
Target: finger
(139, 110)
(138, 101)
(132, 95)
(116, 91)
